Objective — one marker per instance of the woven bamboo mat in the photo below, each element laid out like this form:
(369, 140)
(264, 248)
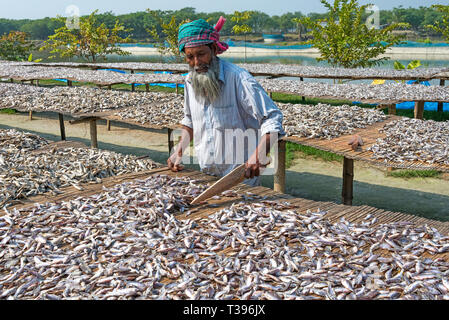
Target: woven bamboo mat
(369, 136)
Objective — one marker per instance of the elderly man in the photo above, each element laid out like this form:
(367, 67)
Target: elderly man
(227, 113)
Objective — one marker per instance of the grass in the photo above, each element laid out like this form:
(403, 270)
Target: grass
(8, 111)
(293, 149)
(414, 174)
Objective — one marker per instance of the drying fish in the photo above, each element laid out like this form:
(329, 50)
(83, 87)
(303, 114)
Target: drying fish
(24, 173)
(132, 242)
(326, 121)
(413, 140)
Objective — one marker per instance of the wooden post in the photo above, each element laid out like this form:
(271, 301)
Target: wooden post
(440, 104)
(419, 110)
(11, 80)
(348, 179)
(93, 133)
(30, 115)
(37, 83)
(61, 126)
(109, 87)
(69, 83)
(270, 94)
(170, 141)
(177, 89)
(302, 98)
(147, 87)
(108, 124)
(392, 108)
(132, 84)
(279, 176)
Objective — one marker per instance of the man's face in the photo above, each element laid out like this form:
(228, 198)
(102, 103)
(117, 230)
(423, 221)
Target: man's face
(199, 57)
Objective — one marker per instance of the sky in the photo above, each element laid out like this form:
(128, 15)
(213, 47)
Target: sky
(36, 9)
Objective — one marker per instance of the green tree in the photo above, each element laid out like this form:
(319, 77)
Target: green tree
(168, 43)
(15, 47)
(443, 25)
(300, 28)
(91, 41)
(343, 38)
(241, 26)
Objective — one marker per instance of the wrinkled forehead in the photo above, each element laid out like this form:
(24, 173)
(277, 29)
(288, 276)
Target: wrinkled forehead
(196, 49)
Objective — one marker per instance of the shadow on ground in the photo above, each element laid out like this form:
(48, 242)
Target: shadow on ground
(327, 188)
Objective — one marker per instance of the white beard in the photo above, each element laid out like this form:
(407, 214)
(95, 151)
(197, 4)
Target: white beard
(206, 84)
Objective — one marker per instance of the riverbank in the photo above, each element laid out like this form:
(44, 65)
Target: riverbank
(398, 53)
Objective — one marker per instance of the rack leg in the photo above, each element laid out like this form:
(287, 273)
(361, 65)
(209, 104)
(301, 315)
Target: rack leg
(61, 126)
(440, 104)
(170, 141)
(419, 110)
(108, 124)
(348, 179)
(392, 109)
(279, 176)
(93, 133)
(302, 98)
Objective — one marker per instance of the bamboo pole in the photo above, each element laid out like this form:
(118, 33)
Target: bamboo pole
(440, 104)
(279, 176)
(348, 179)
(419, 110)
(133, 88)
(392, 108)
(170, 141)
(61, 126)
(30, 115)
(302, 98)
(93, 133)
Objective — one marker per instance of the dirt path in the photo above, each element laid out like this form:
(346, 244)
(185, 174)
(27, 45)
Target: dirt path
(307, 178)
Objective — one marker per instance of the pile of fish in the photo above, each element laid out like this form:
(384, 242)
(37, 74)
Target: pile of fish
(75, 100)
(413, 140)
(325, 121)
(129, 242)
(13, 140)
(265, 68)
(331, 72)
(102, 77)
(380, 92)
(168, 111)
(24, 172)
(13, 89)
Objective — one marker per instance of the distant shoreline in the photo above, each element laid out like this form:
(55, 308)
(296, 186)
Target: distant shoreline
(401, 53)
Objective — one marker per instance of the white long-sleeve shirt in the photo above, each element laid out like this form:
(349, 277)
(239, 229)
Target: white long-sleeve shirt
(218, 128)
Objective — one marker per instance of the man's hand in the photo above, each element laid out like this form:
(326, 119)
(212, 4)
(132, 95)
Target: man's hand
(259, 158)
(254, 165)
(174, 162)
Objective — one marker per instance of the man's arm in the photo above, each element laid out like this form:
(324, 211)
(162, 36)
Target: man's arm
(174, 161)
(258, 105)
